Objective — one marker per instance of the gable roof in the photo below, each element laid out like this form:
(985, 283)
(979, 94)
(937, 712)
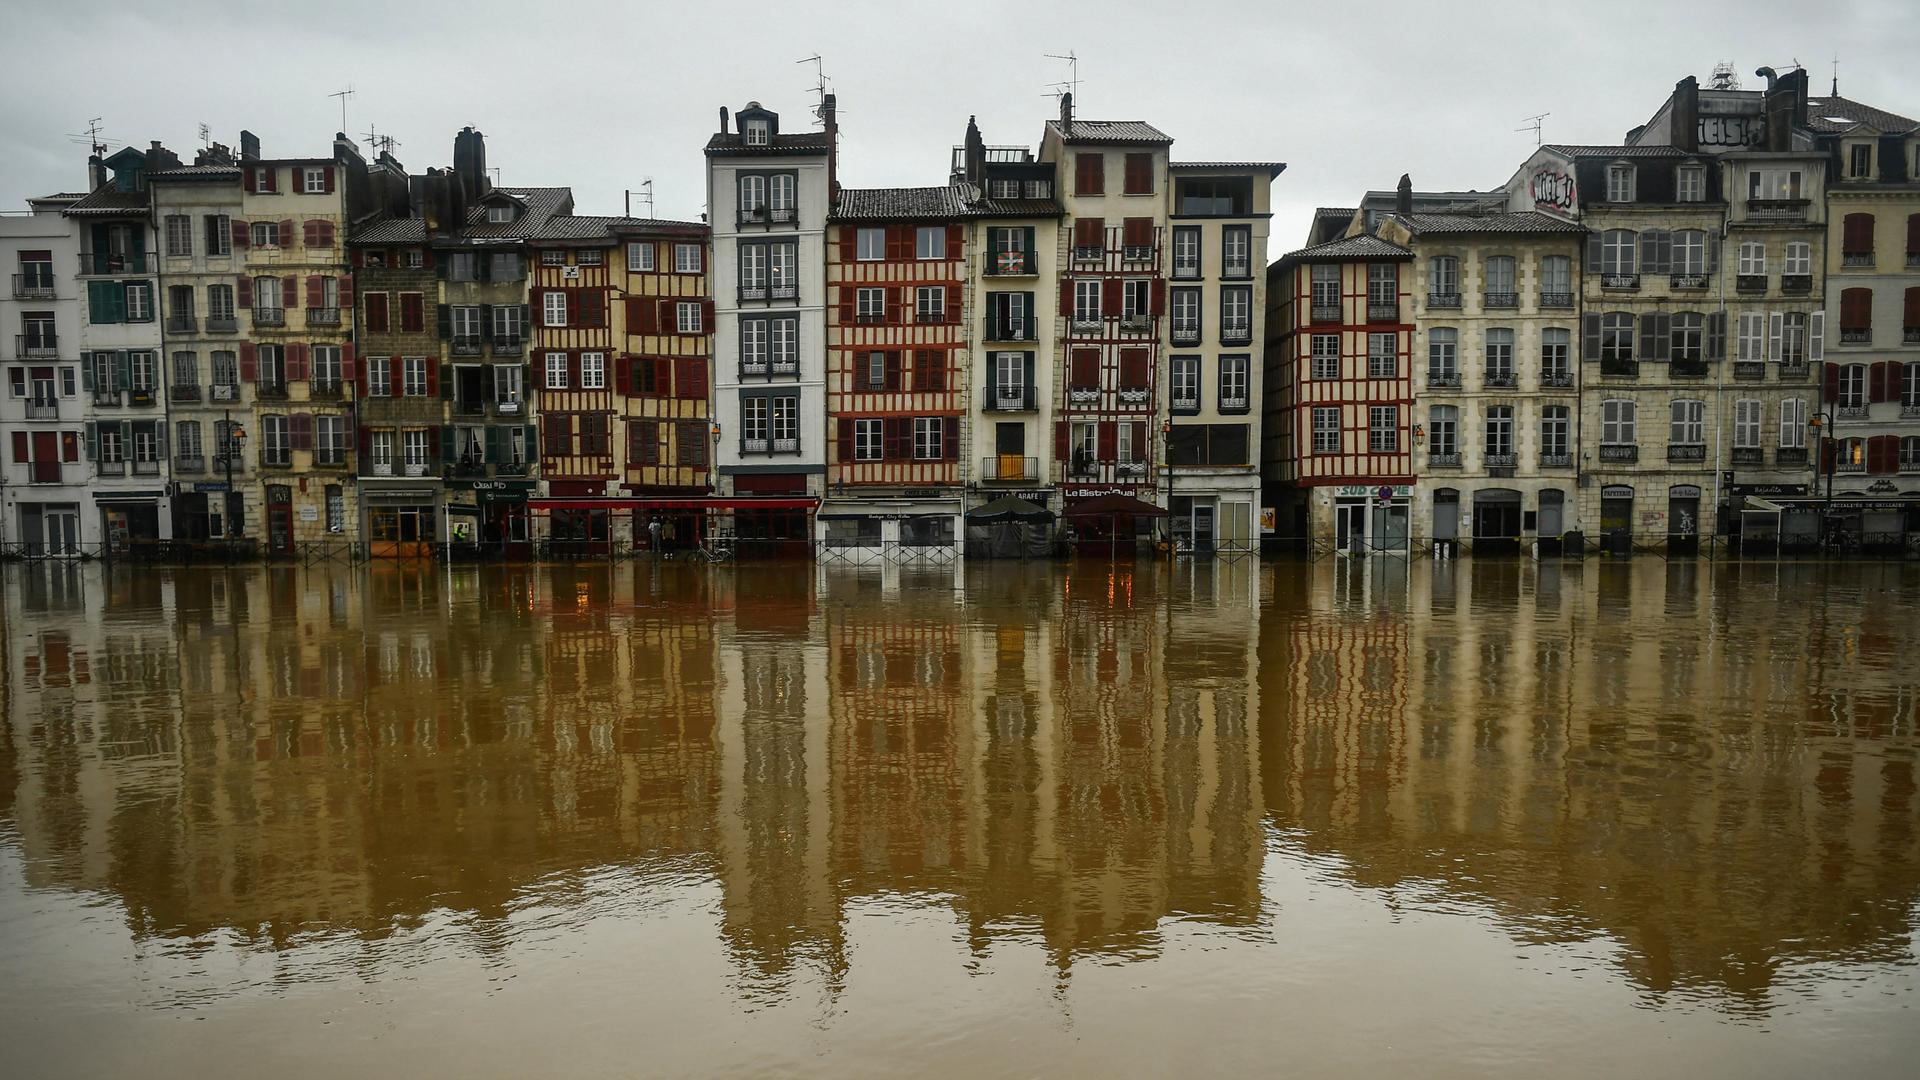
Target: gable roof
(724, 144)
(1833, 115)
(108, 201)
(1364, 246)
(540, 204)
(1573, 150)
(1525, 222)
(872, 204)
(1109, 131)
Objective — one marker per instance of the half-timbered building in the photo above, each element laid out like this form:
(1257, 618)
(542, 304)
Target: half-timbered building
(663, 326)
(573, 349)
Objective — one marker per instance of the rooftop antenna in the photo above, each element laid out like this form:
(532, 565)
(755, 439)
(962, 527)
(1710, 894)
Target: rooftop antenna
(206, 135)
(379, 143)
(343, 95)
(495, 170)
(92, 138)
(819, 86)
(1836, 76)
(1073, 72)
(646, 196)
(1532, 123)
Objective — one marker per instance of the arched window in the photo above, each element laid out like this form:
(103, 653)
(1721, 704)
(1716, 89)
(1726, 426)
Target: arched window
(1500, 282)
(1443, 356)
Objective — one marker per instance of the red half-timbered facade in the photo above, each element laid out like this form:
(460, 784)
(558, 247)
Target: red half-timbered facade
(570, 300)
(662, 375)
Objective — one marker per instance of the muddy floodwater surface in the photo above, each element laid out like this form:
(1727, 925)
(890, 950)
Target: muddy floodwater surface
(1462, 819)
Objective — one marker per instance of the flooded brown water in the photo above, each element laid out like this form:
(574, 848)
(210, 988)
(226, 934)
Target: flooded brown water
(641, 820)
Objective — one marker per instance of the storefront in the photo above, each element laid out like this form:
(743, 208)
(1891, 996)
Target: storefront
(129, 520)
(1203, 524)
(497, 520)
(1616, 519)
(1683, 519)
(916, 526)
(1371, 520)
(1769, 519)
(401, 522)
(774, 520)
(1496, 521)
(579, 527)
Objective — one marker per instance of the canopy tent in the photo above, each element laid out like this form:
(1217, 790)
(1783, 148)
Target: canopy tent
(1113, 506)
(1008, 508)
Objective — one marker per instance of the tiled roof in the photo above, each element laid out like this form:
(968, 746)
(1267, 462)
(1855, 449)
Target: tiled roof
(393, 230)
(659, 225)
(1526, 222)
(1273, 168)
(725, 145)
(1578, 151)
(198, 172)
(1351, 247)
(866, 204)
(541, 204)
(1110, 131)
(60, 196)
(978, 205)
(107, 200)
(583, 227)
(1837, 114)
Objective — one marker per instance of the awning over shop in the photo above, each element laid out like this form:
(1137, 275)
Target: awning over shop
(1112, 506)
(682, 505)
(1758, 505)
(1008, 508)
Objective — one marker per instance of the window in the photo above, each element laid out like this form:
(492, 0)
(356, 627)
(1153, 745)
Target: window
(1853, 386)
(554, 308)
(1003, 189)
(1690, 252)
(1860, 161)
(1617, 423)
(276, 448)
(1617, 251)
(1383, 356)
(1620, 183)
(1500, 277)
(1910, 453)
(1136, 299)
(1799, 260)
(1793, 424)
(1556, 356)
(553, 257)
(687, 318)
(413, 449)
(1186, 313)
(1556, 276)
(590, 257)
(500, 214)
(1326, 356)
(1500, 356)
(870, 305)
(1443, 280)
(1383, 284)
(1746, 424)
(1233, 383)
(324, 369)
(1555, 425)
(413, 376)
(1499, 433)
(1086, 300)
(1773, 184)
(1089, 173)
(380, 450)
(1186, 251)
(870, 245)
(179, 235)
(1690, 184)
(1326, 431)
(266, 296)
(1236, 251)
(336, 509)
(1039, 189)
(929, 438)
(758, 133)
(1443, 354)
(930, 242)
(1236, 313)
(265, 233)
(186, 439)
(753, 195)
(687, 259)
(509, 324)
(1753, 259)
(877, 365)
(1687, 424)
(313, 181)
(141, 366)
(1616, 336)
(781, 199)
(1326, 288)
(1910, 385)
(219, 235)
(1443, 433)
(465, 322)
(139, 301)
(186, 369)
(930, 303)
(556, 371)
(220, 302)
(593, 371)
(929, 369)
(225, 368)
(1688, 337)
(867, 438)
(1184, 378)
(1383, 428)
(506, 385)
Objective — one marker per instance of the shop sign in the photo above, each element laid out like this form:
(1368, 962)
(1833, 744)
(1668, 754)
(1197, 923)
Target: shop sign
(1884, 487)
(503, 489)
(309, 513)
(1683, 491)
(214, 488)
(1765, 490)
(1617, 491)
(1361, 491)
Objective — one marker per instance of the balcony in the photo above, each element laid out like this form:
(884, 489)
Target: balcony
(1383, 313)
(1850, 467)
(1686, 452)
(1777, 210)
(1556, 379)
(1136, 253)
(764, 215)
(1619, 369)
(1138, 324)
(1910, 335)
(146, 468)
(1750, 283)
(1794, 372)
(1689, 369)
(1858, 335)
(223, 392)
(1561, 460)
(1495, 300)
(1619, 453)
(1083, 464)
(33, 286)
(415, 468)
(43, 409)
(1325, 313)
(223, 463)
(97, 263)
(1009, 399)
(1012, 329)
(1184, 334)
(507, 408)
(380, 468)
(182, 324)
(1856, 260)
(1850, 412)
(31, 346)
(1444, 460)
(1009, 468)
(1909, 412)
(1501, 380)
(1236, 332)
(1797, 284)
(786, 446)
(119, 468)
(324, 458)
(1556, 299)
(1790, 455)
(270, 391)
(1749, 455)
(1185, 404)
(324, 389)
(1013, 264)
(468, 468)
(323, 316)
(1749, 370)
(1236, 269)
(183, 392)
(1186, 270)
(46, 472)
(1089, 253)
(508, 345)
(1232, 404)
(783, 292)
(469, 407)
(1501, 461)
(190, 463)
(1688, 282)
(1134, 395)
(222, 324)
(1443, 378)
(465, 345)
(1620, 282)
(1443, 300)
(510, 468)
(1913, 260)
(269, 316)
(1083, 395)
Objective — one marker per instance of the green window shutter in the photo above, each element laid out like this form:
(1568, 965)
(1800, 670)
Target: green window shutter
(160, 439)
(448, 452)
(126, 440)
(100, 301)
(122, 370)
(496, 444)
(486, 322)
(93, 441)
(1026, 235)
(993, 375)
(86, 372)
(530, 444)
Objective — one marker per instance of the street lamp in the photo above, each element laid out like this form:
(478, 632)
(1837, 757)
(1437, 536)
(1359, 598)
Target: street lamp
(1821, 423)
(236, 524)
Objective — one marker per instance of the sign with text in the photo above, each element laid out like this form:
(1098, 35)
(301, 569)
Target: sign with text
(1554, 188)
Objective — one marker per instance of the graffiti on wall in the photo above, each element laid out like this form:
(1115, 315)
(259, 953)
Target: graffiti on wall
(1553, 188)
(1733, 131)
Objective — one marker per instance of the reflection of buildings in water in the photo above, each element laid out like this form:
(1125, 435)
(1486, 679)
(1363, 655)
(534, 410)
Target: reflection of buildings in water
(1658, 755)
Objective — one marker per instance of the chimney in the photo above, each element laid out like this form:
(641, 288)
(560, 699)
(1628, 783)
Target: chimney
(1403, 196)
(1066, 114)
(1786, 109)
(1768, 74)
(470, 161)
(249, 146)
(975, 154)
(1684, 129)
(96, 173)
(723, 119)
(832, 123)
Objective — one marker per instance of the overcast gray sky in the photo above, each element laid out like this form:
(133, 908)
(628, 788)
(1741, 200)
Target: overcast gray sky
(601, 95)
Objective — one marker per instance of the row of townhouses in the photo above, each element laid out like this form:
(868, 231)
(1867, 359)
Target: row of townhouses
(1705, 334)
(1708, 332)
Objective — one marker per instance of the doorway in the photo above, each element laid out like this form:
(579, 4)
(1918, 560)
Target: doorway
(1683, 519)
(1350, 528)
(1446, 520)
(1496, 521)
(1616, 520)
(279, 519)
(1010, 450)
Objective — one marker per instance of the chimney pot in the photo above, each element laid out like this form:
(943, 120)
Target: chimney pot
(1403, 195)
(723, 119)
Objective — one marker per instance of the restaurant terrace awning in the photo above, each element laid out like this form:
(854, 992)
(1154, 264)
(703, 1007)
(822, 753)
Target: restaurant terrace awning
(681, 505)
(1008, 508)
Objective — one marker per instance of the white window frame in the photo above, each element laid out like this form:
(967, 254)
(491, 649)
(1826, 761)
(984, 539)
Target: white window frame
(869, 245)
(553, 309)
(929, 438)
(1619, 422)
(930, 242)
(1086, 300)
(1443, 430)
(686, 318)
(1326, 429)
(930, 303)
(1383, 429)
(1746, 423)
(593, 371)
(640, 256)
(413, 376)
(869, 433)
(870, 305)
(1751, 341)
(1753, 258)
(1324, 356)
(1556, 423)
(1621, 182)
(313, 181)
(556, 371)
(687, 259)
(1799, 259)
(1690, 184)
(379, 376)
(1687, 422)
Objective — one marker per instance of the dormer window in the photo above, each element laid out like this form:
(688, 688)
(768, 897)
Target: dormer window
(1860, 161)
(1690, 184)
(1003, 189)
(501, 214)
(1620, 183)
(759, 133)
(1039, 189)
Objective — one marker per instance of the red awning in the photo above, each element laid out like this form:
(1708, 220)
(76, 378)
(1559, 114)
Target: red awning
(673, 504)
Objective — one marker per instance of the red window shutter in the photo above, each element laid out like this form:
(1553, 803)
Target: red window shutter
(289, 292)
(1831, 381)
(433, 377)
(847, 295)
(899, 243)
(356, 258)
(433, 442)
(241, 236)
(243, 291)
(1110, 296)
(1109, 440)
(300, 431)
(1857, 234)
(696, 387)
(1913, 234)
(314, 291)
(1911, 318)
(377, 312)
(706, 316)
(1856, 309)
(249, 362)
(623, 376)
(326, 175)
(366, 441)
(1133, 367)
(846, 438)
(1138, 440)
(1139, 174)
(296, 362)
(891, 370)
(308, 235)
(1090, 232)
(1138, 232)
(1066, 296)
(593, 307)
(956, 240)
(633, 307)
(900, 438)
(1159, 296)
(1877, 382)
(20, 447)
(1060, 440)
(950, 438)
(849, 251)
(273, 178)
(646, 315)
(347, 364)
(894, 306)
(396, 376)
(286, 232)
(1883, 454)
(326, 231)
(346, 291)
(1090, 174)
(666, 316)
(1085, 367)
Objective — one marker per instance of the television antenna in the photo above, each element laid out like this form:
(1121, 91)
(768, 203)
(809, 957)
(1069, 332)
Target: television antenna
(206, 135)
(379, 143)
(1532, 123)
(343, 95)
(1073, 71)
(819, 86)
(91, 137)
(646, 195)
